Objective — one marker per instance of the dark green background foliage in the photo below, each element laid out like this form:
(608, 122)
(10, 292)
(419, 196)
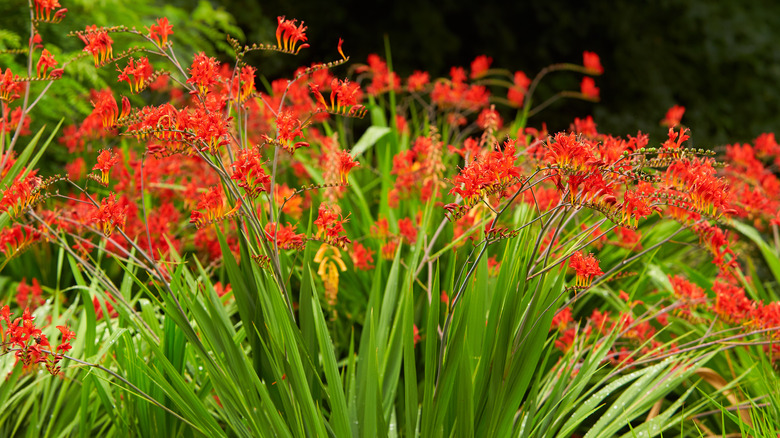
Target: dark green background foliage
(720, 60)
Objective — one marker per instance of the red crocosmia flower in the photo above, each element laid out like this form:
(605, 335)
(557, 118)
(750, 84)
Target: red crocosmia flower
(585, 268)
(29, 295)
(588, 89)
(98, 43)
(43, 9)
(417, 81)
(382, 79)
(346, 163)
(105, 161)
(592, 63)
(203, 72)
(16, 239)
(330, 224)
(416, 332)
(160, 31)
(288, 127)
(635, 207)
(44, 63)
(362, 257)
(110, 215)
(561, 320)
(686, 291)
(570, 153)
(673, 116)
(344, 96)
(67, 336)
(22, 194)
(516, 93)
(731, 304)
(286, 237)
(408, 230)
(211, 208)
(9, 87)
(566, 339)
(288, 35)
(246, 82)
(480, 66)
(107, 110)
(389, 249)
(490, 119)
(490, 174)
(586, 127)
(248, 171)
(140, 73)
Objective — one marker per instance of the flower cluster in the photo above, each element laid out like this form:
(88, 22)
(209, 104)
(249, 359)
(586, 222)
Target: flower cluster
(30, 344)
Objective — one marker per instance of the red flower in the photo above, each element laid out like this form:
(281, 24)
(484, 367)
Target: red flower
(29, 296)
(407, 230)
(67, 336)
(480, 66)
(9, 87)
(588, 88)
(286, 237)
(417, 81)
(110, 215)
(47, 61)
(488, 175)
(22, 194)
(98, 43)
(673, 116)
(140, 73)
(107, 110)
(362, 257)
(382, 79)
(330, 224)
(160, 31)
(203, 72)
(592, 63)
(211, 208)
(516, 94)
(248, 171)
(105, 161)
(288, 35)
(346, 163)
(585, 268)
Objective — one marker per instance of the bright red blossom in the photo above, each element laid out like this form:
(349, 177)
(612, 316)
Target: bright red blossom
(592, 63)
(160, 31)
(588, 88)
(585, 268)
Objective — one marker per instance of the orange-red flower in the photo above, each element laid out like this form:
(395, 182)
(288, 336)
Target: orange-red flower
(592, 63)
(140, 73)
(44, 63)
(480, 65)
(585, 268)
(160, 31)
(105, 161)
(211, 208)
(110, 215)
(98, 43)
(588, 88)
(286, 237)
(203, 72)
(673, 116)
(248, 171)
(346, 163)
(9, 87)
(331, 225)
(516, 93)
(288, 35)
(362, 257)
